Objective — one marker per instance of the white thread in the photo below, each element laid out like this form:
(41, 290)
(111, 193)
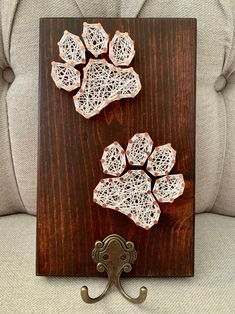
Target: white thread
(65, 76)
(131, 193)
(169, 187)
(161, 160)
(102, 81)
(71, 49)
(95, 38)
(102, 84)
(121, 49)
(139, 148)
(113, 159)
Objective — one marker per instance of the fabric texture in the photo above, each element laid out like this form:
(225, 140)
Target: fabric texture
(215, 182)
(210, 291)
(225, 201)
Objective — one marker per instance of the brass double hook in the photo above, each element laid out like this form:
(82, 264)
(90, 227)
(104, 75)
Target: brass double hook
(114, 255)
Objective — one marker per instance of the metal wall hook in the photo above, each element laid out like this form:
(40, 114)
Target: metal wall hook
(114, 255)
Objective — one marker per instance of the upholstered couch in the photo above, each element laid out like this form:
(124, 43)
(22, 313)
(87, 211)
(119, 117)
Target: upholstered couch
(212, 289)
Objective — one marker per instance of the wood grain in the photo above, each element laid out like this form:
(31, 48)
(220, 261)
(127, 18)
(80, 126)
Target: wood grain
(68, 222)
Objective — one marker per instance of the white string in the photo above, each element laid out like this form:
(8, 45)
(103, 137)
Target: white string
(102, 84)
(161, 160)
(65, 76)
(139, 148)
(168, 188)
(131, 193)
(95, 38)
(121, 49)
(113, 159)
(71, 49)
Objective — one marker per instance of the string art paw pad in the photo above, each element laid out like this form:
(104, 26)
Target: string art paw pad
(131, 194)
(139, 148)
(102, 81)
(161, 160)
(65, 76)
(113, 159)
(71, 49)
(168, 188)
(95, 38)
(121, 49)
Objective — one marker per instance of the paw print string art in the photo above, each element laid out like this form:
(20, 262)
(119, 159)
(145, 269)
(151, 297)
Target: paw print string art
(102, 82)
(133, 193)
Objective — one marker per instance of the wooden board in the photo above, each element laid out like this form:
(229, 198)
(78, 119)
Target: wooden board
(68, 222)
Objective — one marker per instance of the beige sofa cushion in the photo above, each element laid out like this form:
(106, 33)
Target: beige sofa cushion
(225, 201)
(215, 153)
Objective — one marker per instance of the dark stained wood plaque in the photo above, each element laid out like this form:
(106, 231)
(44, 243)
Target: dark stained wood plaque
(70, 147)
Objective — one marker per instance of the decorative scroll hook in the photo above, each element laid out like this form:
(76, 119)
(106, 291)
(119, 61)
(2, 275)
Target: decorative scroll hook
(141, 297)
(114, 255)
(85, 294)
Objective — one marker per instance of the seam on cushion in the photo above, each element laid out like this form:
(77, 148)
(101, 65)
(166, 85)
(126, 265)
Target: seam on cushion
(143, 5)
(140, 9)
(77, 3)
(229, 40)
(12, 160)
(7, 49)
(4, 62)
(7, 115)
(224, 154)
(10, 31)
